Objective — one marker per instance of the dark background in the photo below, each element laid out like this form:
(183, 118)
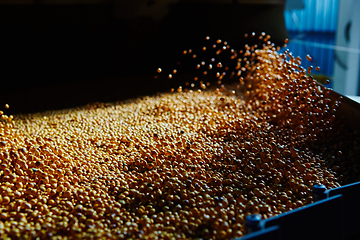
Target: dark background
(60, 56)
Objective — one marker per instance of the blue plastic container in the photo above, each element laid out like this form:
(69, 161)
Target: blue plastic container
(333, 217)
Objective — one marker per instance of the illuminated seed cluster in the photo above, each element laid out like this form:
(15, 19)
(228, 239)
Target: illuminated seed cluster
(185, 165)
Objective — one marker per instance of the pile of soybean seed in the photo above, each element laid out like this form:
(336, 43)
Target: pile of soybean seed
(190, 164)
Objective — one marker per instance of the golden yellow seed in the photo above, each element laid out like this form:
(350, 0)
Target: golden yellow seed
(6, 200)
(142, 166)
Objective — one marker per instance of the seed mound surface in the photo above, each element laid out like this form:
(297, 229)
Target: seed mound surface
(183, 165)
